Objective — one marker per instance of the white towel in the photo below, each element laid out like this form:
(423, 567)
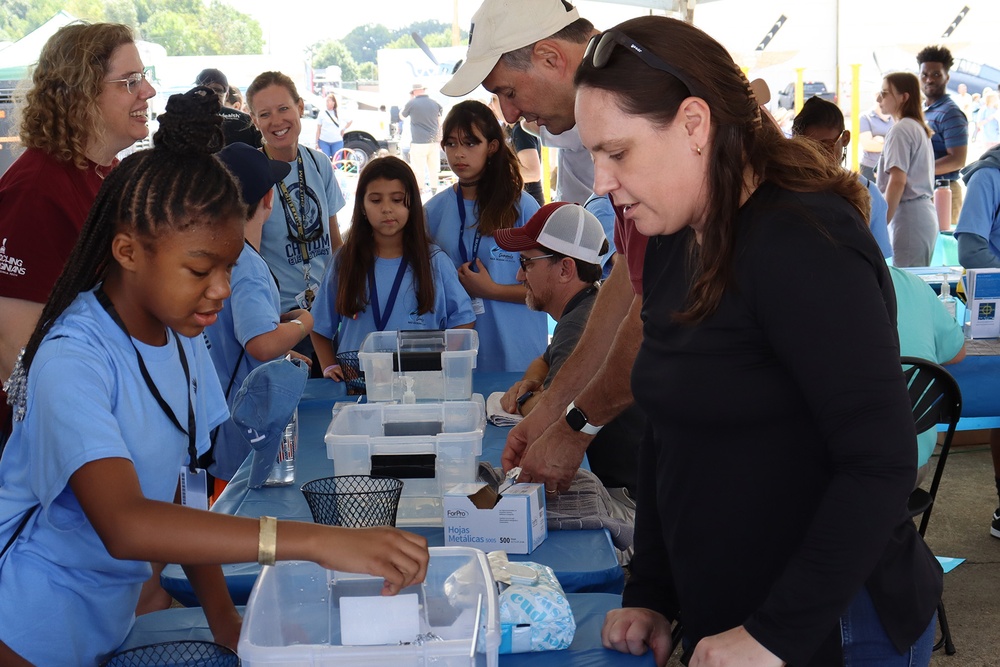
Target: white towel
(497, 415)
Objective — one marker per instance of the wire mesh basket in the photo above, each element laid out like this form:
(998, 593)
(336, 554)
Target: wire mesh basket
(350, 365)
(354, 501)
(175, 654)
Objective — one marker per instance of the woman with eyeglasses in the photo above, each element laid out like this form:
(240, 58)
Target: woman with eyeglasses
(302, 232)
(905, 172)
(87, 102)
(774, 477)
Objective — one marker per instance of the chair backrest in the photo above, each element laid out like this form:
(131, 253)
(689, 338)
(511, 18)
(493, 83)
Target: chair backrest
(936, 399)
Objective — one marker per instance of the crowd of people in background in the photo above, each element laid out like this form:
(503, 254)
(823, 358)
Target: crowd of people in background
(154, 285)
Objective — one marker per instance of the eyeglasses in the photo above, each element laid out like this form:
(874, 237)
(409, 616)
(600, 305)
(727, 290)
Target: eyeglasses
(831, 143)
(524, 260)
(600, 47)
(132, 81)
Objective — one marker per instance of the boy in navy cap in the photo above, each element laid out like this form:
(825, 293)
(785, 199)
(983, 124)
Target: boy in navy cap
(251, 329)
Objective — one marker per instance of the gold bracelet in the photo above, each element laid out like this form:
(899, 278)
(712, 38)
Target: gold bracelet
(267, 546)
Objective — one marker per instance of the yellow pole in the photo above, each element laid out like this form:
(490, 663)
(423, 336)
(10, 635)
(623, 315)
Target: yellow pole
(855, 113)
(799, 99)
(546, 175)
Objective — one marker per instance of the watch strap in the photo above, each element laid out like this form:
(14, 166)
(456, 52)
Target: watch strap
(586, 427)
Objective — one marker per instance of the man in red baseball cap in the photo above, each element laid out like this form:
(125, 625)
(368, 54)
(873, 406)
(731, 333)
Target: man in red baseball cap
(561, 247)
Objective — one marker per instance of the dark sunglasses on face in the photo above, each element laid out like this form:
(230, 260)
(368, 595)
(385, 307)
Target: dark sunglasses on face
(600, 47)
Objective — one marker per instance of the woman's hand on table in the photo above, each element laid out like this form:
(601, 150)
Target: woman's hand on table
(635, 630)
(734, 647)
(334, 372)
(395, 555)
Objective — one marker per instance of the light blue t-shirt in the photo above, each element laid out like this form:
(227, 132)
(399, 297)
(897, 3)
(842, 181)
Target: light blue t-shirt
(452, 306)
(66, 601)
(880, 210)
(979, 210)
(323, 199)
(926, 330)
(600, 206)
(251, 310)
(510, 335)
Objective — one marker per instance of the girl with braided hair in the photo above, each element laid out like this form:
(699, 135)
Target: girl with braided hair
(773, 480)
(115, 393)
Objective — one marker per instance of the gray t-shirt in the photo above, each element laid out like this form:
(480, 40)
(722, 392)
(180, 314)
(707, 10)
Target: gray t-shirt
(568, 331)
(425, 119)
(908, 147)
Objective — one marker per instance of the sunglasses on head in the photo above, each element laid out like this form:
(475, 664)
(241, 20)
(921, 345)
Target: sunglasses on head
(600, 47)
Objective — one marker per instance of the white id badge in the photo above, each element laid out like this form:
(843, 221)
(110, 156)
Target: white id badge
(478, 307)
(305, 298)
(194, 488)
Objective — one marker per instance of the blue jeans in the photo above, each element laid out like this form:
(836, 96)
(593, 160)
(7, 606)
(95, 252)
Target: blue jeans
(330, 148)
(865, 641)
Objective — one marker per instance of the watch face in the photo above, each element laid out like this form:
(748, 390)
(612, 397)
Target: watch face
(576, 419)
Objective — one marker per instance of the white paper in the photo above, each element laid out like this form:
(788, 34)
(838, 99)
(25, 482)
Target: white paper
(379, 620)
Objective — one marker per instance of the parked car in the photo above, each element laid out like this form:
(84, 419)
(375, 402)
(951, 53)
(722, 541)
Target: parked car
(786, 98)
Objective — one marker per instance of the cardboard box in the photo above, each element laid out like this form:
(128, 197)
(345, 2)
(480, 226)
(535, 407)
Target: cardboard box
(983, 300)
(475, 516)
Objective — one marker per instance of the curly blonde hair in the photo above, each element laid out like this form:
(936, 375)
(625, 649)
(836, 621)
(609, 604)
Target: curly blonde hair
(60, 115)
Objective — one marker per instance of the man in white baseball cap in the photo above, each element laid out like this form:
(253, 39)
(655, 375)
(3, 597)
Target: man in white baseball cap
(527, 52)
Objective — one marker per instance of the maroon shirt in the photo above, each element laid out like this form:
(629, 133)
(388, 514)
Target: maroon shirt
(43, 205)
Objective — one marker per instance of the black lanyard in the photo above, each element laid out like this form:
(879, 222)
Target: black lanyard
(461, 234)
(381, 322)
(291, 214)
(105, 302)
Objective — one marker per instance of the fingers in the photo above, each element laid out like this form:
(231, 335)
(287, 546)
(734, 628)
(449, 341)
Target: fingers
(509, 400)
(511, 456)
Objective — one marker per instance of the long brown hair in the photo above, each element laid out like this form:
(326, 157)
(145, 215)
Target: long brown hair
(358, 253)
(911, 107)
(498, 195)
(741, 139)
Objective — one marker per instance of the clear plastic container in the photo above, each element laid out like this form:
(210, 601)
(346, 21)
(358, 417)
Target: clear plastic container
(283, 472)
(438, 363)
(293, 616)
(430, 446)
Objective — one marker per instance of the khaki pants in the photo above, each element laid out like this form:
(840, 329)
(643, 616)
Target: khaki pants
(426, 161)
(956, 200)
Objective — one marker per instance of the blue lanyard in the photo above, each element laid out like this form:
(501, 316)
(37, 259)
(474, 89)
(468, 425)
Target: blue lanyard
(461, 234)
(380, 322)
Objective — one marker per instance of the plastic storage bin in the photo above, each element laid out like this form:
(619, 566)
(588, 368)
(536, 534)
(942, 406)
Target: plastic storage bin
(293, 616)
(439, 364)
(430, 446)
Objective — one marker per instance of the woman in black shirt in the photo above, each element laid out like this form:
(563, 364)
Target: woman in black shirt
(780, 455)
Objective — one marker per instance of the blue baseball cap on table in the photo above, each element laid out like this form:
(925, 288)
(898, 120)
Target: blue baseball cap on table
(262, 409)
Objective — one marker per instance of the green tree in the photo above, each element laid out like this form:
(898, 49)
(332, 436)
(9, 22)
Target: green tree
(334, 52)
(122, 11)
(237, 33)
(367, 72)
(433, 40)
(183, 27)
(180, 34)
(364, 41)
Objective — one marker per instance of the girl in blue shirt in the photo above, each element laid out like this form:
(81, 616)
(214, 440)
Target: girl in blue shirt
(115, 394)
(387, 276)
(462, 220)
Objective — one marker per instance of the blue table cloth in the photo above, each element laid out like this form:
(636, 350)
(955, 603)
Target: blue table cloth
(583, 560)
(586, 650)
(979, 379)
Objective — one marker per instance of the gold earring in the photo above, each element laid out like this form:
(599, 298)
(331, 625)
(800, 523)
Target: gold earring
(698, 149)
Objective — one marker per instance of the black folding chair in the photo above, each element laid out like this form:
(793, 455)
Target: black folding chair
(936, 399)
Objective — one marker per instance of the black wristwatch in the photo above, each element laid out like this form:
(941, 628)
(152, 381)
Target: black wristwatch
(578, 421)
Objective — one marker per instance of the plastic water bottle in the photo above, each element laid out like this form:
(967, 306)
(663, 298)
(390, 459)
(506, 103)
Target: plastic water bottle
(950, 304)
(283, 472)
